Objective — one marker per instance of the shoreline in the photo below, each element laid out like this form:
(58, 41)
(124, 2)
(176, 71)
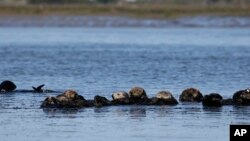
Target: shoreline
(122, 21)
(142, 11)
(128, 15)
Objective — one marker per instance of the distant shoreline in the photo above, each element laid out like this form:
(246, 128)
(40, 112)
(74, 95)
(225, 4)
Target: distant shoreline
(143, 15)
(136, 11)
(122, 21)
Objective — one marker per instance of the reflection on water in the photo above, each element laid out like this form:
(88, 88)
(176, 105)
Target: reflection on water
(137, 112)
(181, 122)
(55, 113)
(200, 121)
(212, 109)
(241, 112)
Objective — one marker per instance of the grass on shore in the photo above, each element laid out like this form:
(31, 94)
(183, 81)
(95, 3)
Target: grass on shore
(143, 11)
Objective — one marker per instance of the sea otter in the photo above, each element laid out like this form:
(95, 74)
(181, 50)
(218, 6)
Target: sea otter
(212, 100)
(120, 98)
(191, 95)
(163, 98)
(69, 99)
(242, 97)
(101, 101)
(137, 95)
(7, 86)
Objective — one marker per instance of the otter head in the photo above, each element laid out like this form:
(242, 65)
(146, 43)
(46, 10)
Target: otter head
(70, 94)
(164, 95)
(7, 86)
(50, 102)
(137, 93)
(121, 95)
(191, 95)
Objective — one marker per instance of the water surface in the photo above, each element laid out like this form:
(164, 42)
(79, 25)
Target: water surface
(100, 61)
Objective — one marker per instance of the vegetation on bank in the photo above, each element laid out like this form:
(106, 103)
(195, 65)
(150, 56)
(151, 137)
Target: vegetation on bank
(18, 2)
(146, 10)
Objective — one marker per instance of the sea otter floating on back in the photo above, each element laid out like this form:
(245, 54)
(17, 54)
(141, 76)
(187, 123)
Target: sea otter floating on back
(9, 86)
(136, 96)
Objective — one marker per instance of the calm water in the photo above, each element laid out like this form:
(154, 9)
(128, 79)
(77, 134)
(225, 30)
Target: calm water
(104, 60)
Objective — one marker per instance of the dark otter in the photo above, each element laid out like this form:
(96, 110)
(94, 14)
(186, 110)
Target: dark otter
(39, 88)
(212, 100)
(191, 95)
(242, 97)
(101, 101)
(7, 86)
(137, 95)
